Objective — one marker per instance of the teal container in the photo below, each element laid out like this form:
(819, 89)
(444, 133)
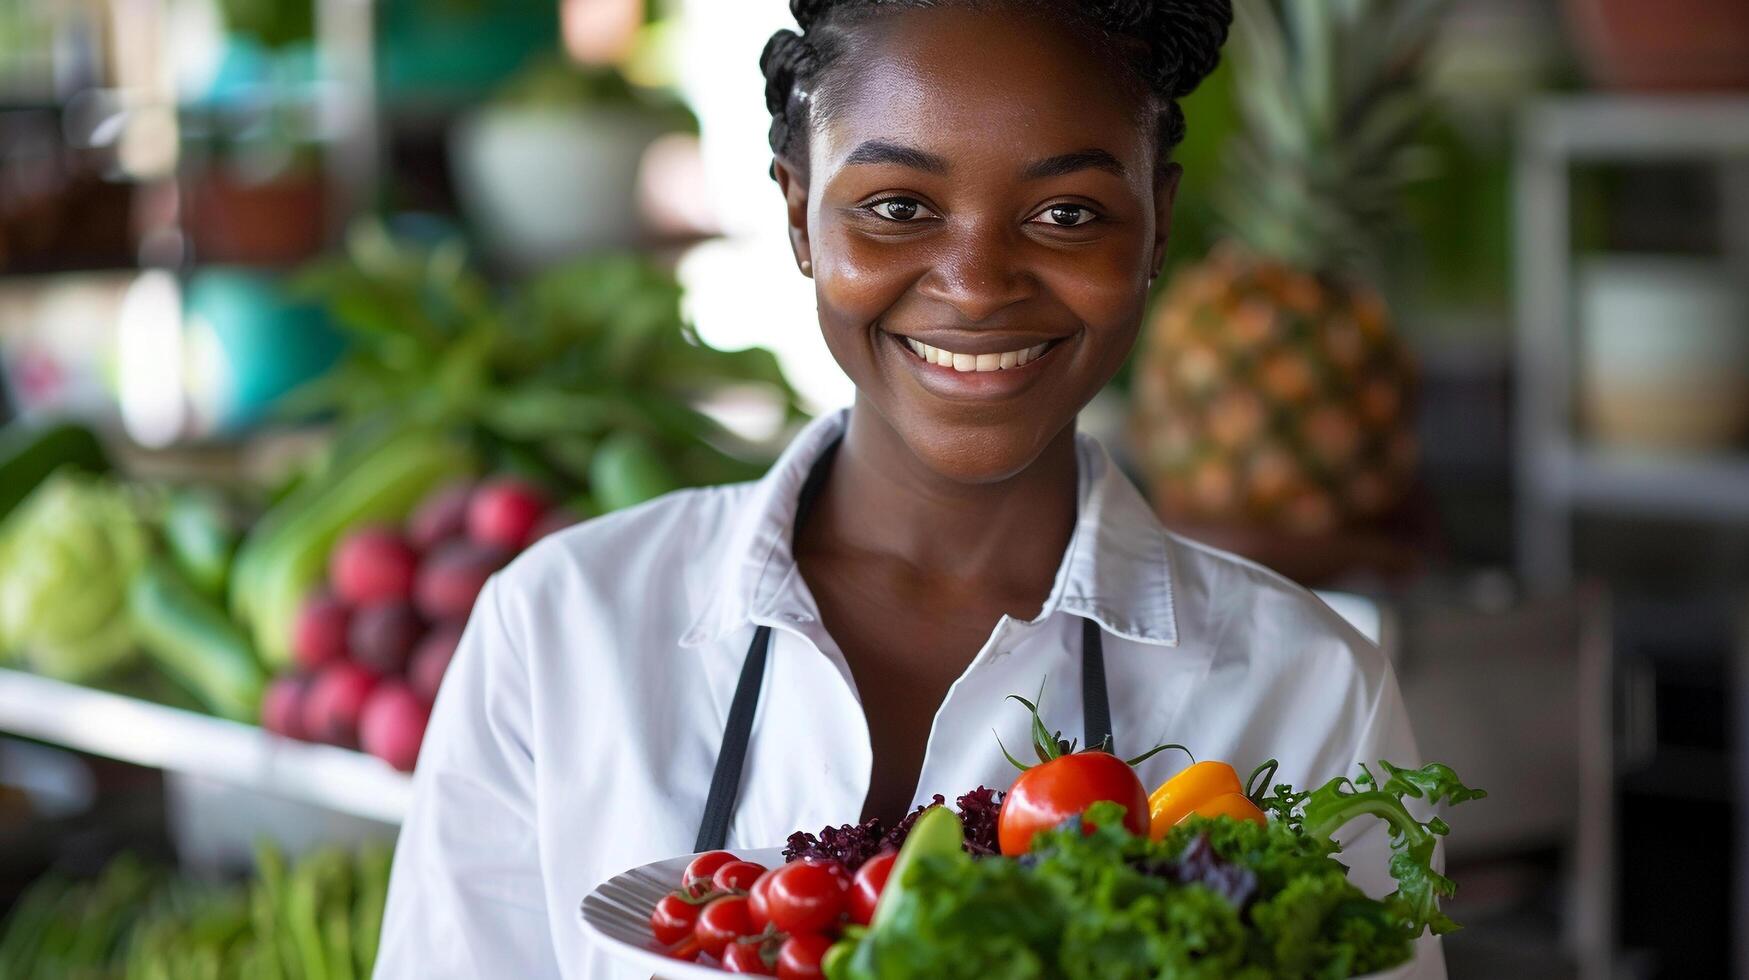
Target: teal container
(248, 343)
(458, 51)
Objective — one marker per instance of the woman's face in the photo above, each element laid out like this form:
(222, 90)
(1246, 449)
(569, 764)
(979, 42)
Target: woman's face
(987, 194)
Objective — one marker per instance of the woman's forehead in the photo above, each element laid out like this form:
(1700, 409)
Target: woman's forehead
(958, 83)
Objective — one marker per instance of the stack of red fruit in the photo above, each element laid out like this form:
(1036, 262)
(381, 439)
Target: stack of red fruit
(372, 645)
(778, 922)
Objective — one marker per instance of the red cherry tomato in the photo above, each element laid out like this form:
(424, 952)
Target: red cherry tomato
(800, 957)
(722, 922)
(1051, 792)
(835, 867)
(759, 900)
(704, 866)
(806, 896)
(745, 958)
(673, 919)
(865, 889)
(737, 876)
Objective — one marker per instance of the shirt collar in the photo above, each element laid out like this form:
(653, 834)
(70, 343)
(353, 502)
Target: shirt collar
(1115, 571)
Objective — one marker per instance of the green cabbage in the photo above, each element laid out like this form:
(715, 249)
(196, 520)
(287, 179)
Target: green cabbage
(67, 555)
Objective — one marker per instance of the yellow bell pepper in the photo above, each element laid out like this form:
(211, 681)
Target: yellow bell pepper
(1235, 805)
(1207, 789)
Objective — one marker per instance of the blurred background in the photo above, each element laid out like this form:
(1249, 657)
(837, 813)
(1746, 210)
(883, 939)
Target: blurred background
(314, 312)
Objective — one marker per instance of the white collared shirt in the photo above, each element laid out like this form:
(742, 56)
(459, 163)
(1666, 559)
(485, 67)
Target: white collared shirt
(577, 729)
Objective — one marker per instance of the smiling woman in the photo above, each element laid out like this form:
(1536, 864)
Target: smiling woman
(939, 196)
(980, 191)
(981, 241)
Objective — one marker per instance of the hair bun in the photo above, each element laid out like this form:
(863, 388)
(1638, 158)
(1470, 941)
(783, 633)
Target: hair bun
(807, 12)
(1121, 14)
(1187, 36)
(785, 58)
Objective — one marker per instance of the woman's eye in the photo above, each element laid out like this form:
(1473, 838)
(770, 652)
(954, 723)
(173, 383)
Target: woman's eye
(901, 209)
(1067, 215)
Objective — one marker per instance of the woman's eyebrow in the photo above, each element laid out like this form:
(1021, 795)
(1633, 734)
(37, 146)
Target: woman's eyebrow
(1068, 163)
(884, 151)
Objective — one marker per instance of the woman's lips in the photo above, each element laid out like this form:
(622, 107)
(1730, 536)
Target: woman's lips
(943, 376)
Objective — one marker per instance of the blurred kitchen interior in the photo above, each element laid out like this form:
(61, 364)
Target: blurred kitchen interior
(236, 236)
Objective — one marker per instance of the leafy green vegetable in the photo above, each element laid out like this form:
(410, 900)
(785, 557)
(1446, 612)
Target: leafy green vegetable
(545, 373)
(67, 555)
(1419, 887)
(316, 919)
(1217, 898)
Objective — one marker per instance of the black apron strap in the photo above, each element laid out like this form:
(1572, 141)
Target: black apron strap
(719, 807)
(1095, 699)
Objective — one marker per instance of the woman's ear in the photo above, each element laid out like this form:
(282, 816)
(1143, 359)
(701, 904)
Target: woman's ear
(1165, 193)
(794, 186)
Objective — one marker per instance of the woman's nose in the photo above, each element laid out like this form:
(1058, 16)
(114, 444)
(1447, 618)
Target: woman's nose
(979, 273)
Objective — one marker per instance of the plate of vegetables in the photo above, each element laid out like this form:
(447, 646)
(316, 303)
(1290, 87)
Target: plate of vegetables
(1075, 872)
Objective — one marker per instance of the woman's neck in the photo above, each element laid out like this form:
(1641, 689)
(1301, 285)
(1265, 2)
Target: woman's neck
(1005, 538)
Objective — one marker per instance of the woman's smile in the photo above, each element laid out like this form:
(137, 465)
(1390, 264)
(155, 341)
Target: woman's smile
(974, 366)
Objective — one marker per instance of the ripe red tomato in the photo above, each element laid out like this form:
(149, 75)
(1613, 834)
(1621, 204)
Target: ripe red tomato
(806, 896)
(1051, 792)
(865, 889)
(722, 922)
(800, 957)
(737, 876)
(704, 866)
(759, 900)
(746, 958)
(673, 919)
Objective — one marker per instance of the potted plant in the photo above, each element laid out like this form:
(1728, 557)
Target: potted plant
(257, 191)
(549, 168)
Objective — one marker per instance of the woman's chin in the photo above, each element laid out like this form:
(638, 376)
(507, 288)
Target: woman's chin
(977, 455)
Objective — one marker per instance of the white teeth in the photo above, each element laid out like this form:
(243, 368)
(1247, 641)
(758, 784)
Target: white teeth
(974, 362)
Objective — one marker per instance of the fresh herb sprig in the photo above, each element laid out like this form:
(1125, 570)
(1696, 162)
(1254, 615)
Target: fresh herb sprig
(1320, 813)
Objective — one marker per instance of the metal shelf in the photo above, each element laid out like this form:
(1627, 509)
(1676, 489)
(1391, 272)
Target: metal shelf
(1638, 127)
(1559, 473)
(160, 737)
(1696, 487)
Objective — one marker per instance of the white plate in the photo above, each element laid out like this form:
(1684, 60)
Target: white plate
(616, 916)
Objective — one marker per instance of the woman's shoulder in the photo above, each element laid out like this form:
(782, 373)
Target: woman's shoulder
(1221, 593)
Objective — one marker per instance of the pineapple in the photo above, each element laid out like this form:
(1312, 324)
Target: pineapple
(1271, 390)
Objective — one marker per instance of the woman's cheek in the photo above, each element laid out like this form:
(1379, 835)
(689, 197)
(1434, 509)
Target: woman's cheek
(1107, 301)
(856, 285)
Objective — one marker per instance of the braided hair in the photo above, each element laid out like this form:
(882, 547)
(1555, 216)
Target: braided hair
(1167, 46)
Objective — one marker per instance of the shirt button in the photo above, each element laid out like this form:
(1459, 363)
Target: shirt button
(796, 617)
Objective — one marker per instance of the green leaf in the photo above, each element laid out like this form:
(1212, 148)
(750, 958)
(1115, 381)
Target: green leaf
(1419, 887)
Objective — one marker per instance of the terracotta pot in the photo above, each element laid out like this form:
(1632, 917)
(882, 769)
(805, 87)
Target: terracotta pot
(273, 222)
(1672, 45)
